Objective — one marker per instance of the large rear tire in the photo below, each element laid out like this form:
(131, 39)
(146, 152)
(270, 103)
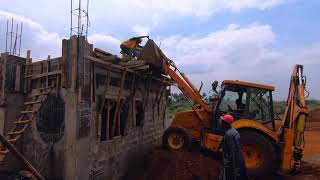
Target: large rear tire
(259, 153)
(175, 138)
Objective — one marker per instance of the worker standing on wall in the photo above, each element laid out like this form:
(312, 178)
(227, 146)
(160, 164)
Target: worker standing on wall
(233, 163)
(131, 48)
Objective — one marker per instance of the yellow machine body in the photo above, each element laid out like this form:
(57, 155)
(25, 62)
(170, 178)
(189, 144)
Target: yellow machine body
(201, 124)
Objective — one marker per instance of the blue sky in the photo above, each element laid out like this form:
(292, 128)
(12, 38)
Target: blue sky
(250, 40)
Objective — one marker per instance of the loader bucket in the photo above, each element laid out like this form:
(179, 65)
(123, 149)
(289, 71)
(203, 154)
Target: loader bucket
(153, 55)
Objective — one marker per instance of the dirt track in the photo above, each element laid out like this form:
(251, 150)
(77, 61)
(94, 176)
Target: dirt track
(314, 116)
(162, 164)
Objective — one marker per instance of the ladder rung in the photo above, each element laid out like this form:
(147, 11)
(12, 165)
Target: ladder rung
(43, 93)
(15, 132)
(33, 102)
(26, 112)
(41, 75)
(12, 140)
(22, 122)
(49, 87)
(4, 152)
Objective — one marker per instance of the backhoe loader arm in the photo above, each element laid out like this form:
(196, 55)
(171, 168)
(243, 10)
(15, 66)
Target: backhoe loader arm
(153, 55)
(296, 99)
(293, 123)
(184, 84)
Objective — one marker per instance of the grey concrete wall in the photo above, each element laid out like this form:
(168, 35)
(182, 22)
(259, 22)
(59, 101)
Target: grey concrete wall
(78, 155)
(13, 106)
(11, 103)
(113, 158)
(75, 150)
(47, 156)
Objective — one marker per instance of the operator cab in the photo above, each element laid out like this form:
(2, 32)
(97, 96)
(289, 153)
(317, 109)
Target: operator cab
(244, 100)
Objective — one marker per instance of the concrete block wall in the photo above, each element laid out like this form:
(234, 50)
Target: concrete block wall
(113, 158)
(80, 153)
(11, 101)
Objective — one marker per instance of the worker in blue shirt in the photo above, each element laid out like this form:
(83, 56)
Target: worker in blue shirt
(234, 167)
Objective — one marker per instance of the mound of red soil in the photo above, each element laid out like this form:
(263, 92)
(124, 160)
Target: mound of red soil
(314, 115)
(162, 164)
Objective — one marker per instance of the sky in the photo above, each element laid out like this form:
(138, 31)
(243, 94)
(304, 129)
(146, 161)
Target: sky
(250, 40)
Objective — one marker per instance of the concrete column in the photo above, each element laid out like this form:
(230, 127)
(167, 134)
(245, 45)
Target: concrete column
(76, 147)
(2, 95)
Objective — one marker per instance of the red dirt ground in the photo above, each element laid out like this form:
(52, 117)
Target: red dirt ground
(314, 116)
(166, 165)
(162, 165)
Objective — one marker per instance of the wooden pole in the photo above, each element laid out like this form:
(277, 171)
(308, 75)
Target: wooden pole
(74, 66)
(18, 78)
(64, 76)
(118, 102)
(159, 101)
(17, 154)
(108, 120)
(145, 103)
(27, 80)
(48, 69)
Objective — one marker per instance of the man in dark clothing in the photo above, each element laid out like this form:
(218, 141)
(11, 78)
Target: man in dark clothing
(234, 167)
(240, 107)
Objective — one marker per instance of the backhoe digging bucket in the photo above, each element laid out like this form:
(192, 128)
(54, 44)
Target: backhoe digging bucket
(153, 55)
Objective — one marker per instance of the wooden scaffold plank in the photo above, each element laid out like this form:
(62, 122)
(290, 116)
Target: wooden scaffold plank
(18, 78)
(118, 103)
(63, 63)
(27, 71)
(19, 156)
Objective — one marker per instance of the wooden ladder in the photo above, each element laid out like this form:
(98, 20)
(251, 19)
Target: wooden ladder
(29, 114)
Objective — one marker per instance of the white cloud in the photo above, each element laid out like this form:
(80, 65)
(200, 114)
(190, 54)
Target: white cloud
(127, 13)
(111, 17)
(235, 52)
(223, 47)
(35, 37)
(141, 30)
(237, 5)
(197, 8)
(106, 42)
(150, 14)
(42, 43)
(100, 38)
(242, 53)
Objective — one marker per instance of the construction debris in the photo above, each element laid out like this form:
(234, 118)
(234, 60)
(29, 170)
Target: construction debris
(99, 53)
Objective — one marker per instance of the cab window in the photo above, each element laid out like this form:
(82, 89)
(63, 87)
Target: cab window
(229, 99)
(260, 106)
(246, 103)
(233, 101)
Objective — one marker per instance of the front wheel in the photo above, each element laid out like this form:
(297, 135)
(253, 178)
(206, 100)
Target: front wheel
(175, 138)
(259, 153)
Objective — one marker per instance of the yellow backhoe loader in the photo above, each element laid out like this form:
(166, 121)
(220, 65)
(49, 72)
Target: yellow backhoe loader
(266, 146)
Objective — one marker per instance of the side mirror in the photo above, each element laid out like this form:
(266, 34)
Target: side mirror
(214, 86)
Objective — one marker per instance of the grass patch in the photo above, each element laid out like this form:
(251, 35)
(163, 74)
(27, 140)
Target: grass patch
(279, 106)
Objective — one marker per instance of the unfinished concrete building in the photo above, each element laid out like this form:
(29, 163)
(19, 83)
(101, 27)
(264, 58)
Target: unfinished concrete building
(84, 115)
